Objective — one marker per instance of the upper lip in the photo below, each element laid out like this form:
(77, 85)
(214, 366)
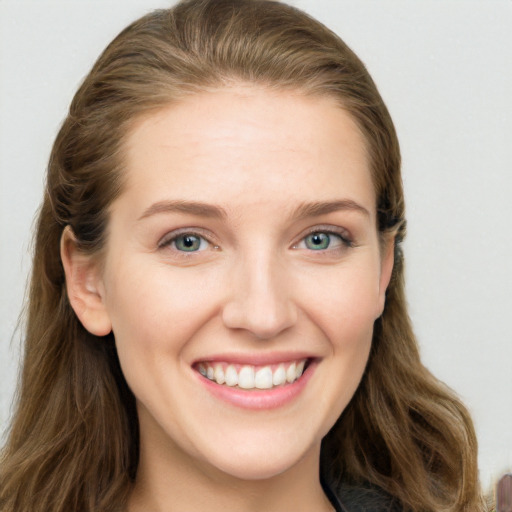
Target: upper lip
(255, 359)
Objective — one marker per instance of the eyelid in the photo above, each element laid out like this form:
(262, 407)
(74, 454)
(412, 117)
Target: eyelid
(195, 231)
(343, 233)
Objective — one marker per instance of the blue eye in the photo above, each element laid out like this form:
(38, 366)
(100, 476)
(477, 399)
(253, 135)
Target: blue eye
(322, 241)
(189, 242)
(318, 241)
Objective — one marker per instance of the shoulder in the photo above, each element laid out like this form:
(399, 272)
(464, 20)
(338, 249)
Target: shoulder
(362, 498)
(367, 499)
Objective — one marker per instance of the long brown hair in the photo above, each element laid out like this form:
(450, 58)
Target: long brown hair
(73, 443)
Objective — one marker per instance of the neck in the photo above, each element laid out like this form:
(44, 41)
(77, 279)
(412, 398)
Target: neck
(169, 481)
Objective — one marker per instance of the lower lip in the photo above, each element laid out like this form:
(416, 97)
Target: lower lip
(260, 399)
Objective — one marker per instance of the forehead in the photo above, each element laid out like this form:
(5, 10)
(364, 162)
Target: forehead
(252, 142)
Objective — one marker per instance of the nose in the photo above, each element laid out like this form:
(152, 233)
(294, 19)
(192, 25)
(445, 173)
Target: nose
(260, 300)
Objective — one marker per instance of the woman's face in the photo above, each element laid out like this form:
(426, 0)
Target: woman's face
(243, 250)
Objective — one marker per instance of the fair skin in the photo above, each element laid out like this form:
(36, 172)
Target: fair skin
(245, 237)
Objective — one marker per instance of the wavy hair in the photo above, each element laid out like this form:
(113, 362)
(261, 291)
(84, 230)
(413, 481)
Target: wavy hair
(73, 441)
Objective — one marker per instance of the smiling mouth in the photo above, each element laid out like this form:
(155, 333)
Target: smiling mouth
(252, 376)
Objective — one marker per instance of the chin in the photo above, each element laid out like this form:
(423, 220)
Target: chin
(262, 461)
(259, 470)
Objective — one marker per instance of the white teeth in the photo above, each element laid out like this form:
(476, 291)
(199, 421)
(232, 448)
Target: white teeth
(263, 378)
(246, 377)
(231, 376)
(218, 373)
(299, 369)
(279, 377)
(290, 373)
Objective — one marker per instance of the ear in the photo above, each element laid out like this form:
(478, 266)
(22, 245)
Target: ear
(84, 285)
(386, 270)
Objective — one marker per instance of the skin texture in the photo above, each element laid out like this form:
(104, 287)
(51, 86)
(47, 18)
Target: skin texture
(254, 288)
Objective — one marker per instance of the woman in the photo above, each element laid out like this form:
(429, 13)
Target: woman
(217, 315)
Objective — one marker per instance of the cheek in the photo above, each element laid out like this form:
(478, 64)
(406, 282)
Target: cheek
(347, 325)
(153, 307)
(155, 313)
(345, 303)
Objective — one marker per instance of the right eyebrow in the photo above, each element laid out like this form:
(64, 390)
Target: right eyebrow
(182, 206)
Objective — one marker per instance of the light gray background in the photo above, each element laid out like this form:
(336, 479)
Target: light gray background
(444, 70)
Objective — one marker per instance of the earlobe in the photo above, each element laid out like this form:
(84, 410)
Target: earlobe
(84, 285)
(386, 271)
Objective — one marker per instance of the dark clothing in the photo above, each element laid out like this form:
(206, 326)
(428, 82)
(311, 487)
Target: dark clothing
(360, 499)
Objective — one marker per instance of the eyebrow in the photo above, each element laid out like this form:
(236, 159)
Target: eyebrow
(188, 207)
(316, 209)
(303, 211)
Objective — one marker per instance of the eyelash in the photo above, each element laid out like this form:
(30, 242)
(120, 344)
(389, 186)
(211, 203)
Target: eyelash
(170, 240)
(345, 240)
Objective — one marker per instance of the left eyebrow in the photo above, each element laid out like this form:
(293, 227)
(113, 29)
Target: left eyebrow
(306, 210)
